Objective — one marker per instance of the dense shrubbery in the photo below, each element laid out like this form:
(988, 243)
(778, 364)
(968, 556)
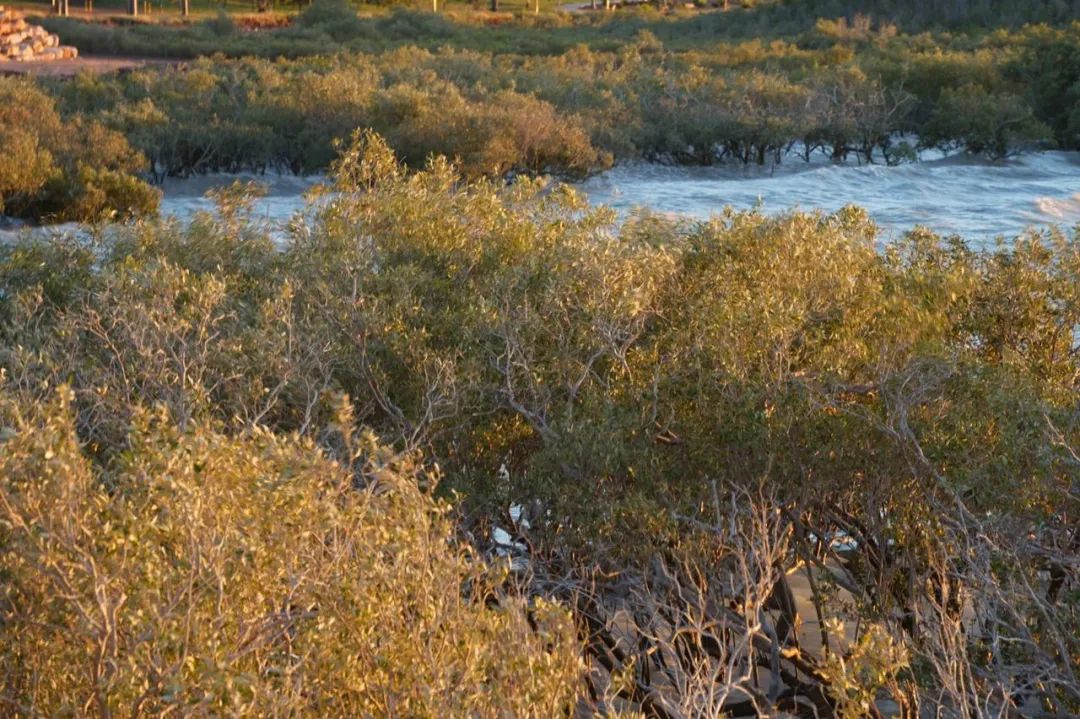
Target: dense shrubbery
(64, 169)
(683, 413)
(918, 15)
(697, 405)
(228, 116)
(744, 102)
(250, 575)
(982, 122)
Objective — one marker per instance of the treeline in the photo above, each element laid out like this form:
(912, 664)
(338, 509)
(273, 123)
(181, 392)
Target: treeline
(683, 413)
(328, 29)
(573, 113)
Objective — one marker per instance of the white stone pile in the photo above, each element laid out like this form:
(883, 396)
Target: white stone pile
(21, 41)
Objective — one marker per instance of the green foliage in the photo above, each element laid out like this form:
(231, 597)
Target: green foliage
(232, 115)
(843, 89)
(911, 394)
(198, 529)
(864, 670)
(856, 22)
(249, 575)
(983, 123)
(221, 25)
(1050, 67)
(334, 17)
(431, 302)
(64, 169)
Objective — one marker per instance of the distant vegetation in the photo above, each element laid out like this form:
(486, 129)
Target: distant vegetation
(744, 102)
(684, 413)
(324, 27)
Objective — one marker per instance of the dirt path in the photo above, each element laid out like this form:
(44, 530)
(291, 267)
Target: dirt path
(94, 64)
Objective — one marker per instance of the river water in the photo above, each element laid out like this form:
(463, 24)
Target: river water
(976, 199)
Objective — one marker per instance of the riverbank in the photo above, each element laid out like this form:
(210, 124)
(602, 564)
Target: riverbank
(91, 64)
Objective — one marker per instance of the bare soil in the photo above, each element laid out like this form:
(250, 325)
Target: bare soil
(94, 64)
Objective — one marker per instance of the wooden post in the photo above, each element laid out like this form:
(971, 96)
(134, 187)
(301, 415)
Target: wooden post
(133, 7)
(185, 7)
(88, 5)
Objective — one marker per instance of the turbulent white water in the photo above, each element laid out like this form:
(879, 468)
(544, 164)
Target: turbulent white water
(974, 198)
(284, 194)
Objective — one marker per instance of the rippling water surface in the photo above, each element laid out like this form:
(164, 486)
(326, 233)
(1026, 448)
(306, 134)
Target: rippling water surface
(284, 194)
(976, 199)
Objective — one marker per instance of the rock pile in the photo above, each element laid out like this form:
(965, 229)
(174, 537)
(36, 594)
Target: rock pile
(22, 41)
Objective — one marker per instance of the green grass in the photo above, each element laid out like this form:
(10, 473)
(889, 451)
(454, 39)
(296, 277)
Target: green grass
(518, 31)
(169, 11)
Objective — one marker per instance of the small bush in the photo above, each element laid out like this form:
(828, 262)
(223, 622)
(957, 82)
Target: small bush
(221, 25)
(64, 168)
(336, 18)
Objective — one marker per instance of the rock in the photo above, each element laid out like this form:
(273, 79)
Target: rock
(22, 42)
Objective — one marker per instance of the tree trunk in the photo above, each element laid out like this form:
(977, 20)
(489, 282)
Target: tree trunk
(185, 7)
(494, 5)
(133, 7)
